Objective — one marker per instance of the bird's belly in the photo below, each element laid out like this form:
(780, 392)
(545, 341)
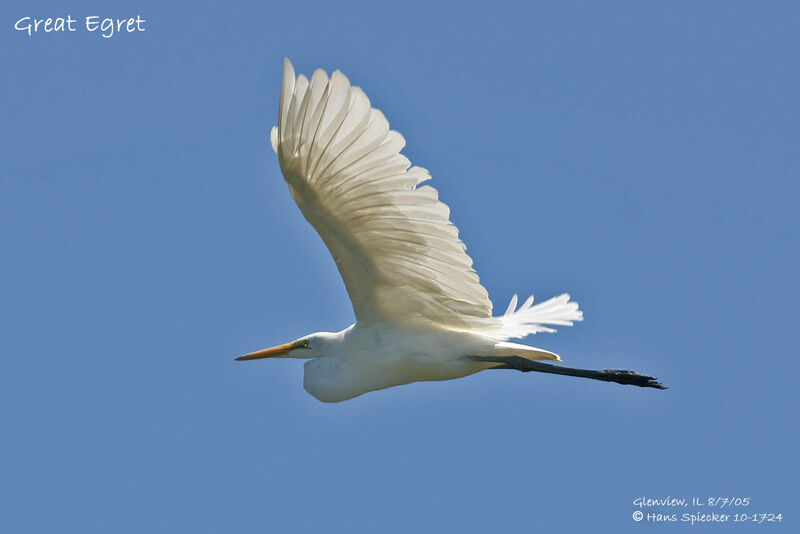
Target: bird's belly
(338, 380)
(382, 356)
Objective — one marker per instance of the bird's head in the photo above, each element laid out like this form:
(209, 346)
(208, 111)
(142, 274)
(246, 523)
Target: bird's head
(310, 346)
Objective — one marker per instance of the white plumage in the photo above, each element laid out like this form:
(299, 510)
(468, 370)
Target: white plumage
(421, 312)
(396, 249)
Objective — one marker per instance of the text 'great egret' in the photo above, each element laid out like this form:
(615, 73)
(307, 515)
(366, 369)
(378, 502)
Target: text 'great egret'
(421, 312)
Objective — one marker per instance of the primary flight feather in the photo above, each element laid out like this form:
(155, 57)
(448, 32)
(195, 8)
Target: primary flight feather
(421, 312)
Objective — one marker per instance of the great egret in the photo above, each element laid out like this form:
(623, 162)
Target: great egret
(421, 312)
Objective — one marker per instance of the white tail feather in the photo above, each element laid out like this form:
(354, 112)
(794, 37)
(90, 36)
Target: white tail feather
(529, 319)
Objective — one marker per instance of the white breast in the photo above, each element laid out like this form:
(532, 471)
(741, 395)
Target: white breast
(378, 357)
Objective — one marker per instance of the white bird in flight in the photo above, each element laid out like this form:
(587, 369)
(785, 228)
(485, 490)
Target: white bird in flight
(421, 312)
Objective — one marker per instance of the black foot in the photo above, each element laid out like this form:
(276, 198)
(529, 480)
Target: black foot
(630, 377)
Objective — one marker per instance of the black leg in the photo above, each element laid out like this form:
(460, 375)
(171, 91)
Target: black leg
(607, 375)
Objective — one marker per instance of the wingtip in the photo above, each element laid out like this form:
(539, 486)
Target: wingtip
(338, 76)
(288, 68)
(273, 138)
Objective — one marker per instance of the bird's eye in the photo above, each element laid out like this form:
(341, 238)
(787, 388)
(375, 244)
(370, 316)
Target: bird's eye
(306, 344)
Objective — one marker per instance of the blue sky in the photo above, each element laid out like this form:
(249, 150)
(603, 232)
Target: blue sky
(642, 156)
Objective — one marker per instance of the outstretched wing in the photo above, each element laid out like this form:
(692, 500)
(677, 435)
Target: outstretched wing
(397, 251)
